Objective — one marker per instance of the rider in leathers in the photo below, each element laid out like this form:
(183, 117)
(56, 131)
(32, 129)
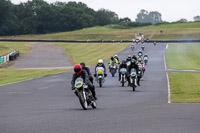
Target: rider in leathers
(123, 65)
(101, 64)
(87, 70)
(79, 73)
(135, 66)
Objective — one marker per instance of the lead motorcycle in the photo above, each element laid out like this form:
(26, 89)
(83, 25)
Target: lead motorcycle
(133, 79)
(100, 76)
(123, 72)
(84, 94)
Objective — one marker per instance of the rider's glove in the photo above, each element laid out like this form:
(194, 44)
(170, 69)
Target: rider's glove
(73, 88)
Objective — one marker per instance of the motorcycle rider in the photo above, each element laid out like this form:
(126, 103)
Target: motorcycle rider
(135, 66)
(154, 43)
(140, 53)
(100, 64)
(123, 65)
(132, 46)
(80, 73)
(142, 47)
(113, 59)
(129, 58)
(146, 55)
(116, 57)
(140, 61)
(134, 57)
(87, 70)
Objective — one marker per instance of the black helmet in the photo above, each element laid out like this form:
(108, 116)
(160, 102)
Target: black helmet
(82, 64)
(123, 62)
(112, 58)
(134, 56)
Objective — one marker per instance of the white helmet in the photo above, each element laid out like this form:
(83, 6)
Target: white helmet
(100, 61)
(116, 56)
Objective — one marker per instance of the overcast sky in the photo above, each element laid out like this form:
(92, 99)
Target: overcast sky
(171, 10)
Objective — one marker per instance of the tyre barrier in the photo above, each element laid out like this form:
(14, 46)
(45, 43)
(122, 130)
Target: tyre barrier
(10, 57)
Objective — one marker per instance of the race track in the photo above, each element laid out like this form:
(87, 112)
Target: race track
(47, 104)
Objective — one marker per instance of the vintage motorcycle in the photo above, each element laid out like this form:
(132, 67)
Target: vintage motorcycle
(133, 79)
(84, 94)
(100, 77)
(123, 72)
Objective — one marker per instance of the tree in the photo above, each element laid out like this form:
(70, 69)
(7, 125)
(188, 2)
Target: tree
(153, 17)
(182, 20)
(142, 16)
(196, 18)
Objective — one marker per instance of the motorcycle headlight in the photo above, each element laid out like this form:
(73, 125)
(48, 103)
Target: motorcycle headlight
(78, 84)
(133, 74)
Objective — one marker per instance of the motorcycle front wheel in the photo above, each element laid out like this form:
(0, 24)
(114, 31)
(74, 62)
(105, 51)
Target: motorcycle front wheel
(122, 81)
(83, 100)
(100, 82)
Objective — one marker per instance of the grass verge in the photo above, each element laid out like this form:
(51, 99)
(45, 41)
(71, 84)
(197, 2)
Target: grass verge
(16, 75)
(173, 31)
(185, 87)
(7, 47)
(90, 53)
(183, 56)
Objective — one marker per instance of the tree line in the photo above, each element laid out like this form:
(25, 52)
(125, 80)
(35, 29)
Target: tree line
(38, 17)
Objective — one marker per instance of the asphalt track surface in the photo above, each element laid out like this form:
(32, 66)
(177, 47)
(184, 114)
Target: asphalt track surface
(47, 105)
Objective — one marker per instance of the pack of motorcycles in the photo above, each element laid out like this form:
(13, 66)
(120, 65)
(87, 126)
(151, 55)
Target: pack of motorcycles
(85, 96)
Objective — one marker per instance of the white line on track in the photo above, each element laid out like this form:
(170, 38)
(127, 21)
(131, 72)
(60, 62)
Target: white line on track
(168, 84)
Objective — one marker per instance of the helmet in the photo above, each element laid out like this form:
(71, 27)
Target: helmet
(129, 56)
(82, 64)
(123, 62)
(116, 56)
(134, 56)
(77, 69)
(112, 58)
(100, 61)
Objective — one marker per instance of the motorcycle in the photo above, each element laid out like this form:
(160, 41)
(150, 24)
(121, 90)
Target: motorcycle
(84, 94)
(132, 47)
(145, 60)
(100, 75)
(113, 69)
(154, 43)
(142, 47)
(123, 72)
(133, 78)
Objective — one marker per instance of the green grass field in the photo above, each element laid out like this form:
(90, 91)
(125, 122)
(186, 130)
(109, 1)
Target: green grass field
(185, 87)
(174, 31)
(90, 53)
(15, 75)
(183, 56)
(7, 47)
